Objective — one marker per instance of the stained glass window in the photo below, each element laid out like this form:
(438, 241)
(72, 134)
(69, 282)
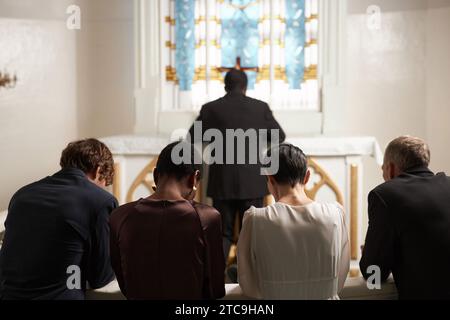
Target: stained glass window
(279, 37)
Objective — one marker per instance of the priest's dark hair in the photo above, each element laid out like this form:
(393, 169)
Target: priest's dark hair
(88, 155)
(293, 164)
(166, 166)
(235, 80)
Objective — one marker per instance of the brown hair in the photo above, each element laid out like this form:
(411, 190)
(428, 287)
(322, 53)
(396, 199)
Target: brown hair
(408, 152)
(88, 155)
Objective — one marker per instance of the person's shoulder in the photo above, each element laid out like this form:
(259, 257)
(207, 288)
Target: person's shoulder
(253, 212)
(332, 206)
(445, 176)
(29, 188)
(256, 102)
(212, 104)
(337, 205)
(205, 209)
(442, 176)
(98, 194)
(327, 213)
(122, 212)
(210, 218)
(334, 209)
(388, 188)
(129, 207)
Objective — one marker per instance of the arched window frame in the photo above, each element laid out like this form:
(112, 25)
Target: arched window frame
(153, 109)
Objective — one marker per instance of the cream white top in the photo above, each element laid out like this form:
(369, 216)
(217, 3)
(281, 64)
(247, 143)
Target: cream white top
(294, 252)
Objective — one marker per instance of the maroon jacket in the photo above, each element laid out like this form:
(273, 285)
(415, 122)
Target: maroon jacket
(167, 250)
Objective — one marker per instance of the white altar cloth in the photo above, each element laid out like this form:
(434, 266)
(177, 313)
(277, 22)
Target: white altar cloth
(339, 146)
(136, 144)
(312, 146)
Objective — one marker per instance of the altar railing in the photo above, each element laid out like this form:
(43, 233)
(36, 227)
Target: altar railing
(355, 289)
(319, 179)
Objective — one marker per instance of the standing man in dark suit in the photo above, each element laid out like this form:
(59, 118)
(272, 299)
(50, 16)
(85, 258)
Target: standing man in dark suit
(409, 224)
(235, 187)
(57, 229)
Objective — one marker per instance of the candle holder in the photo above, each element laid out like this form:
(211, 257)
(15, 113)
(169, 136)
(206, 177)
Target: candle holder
(7, 81)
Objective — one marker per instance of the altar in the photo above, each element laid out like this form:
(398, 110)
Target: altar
(335, 164)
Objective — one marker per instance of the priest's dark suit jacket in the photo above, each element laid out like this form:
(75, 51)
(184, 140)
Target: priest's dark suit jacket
(236, 111)
(409, 234)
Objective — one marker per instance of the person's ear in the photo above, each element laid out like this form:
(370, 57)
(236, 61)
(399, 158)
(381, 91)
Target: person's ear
(97, 174)
(396, 170)
(271, 185)
(197, 178)
(271, 180)
(307, 177)
(96, 177)
(194, 180)
(155, 176)
(392, 170)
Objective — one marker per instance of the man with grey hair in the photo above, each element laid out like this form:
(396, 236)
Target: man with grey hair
(409, 224)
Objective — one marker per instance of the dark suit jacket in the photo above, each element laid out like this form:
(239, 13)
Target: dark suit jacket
(236, 111)
(409, 234)
(54, 223)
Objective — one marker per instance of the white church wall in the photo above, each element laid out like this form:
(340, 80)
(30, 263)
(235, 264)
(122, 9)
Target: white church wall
(72, 84)
(386, 83)
(438, 83)
(106, 68)
(386, 75)
(38, 117)
(398, 77)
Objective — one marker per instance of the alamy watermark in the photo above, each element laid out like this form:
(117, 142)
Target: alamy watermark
(235, 147)
(74, 277)
(373, 18)
(73, 21)
(374, 280)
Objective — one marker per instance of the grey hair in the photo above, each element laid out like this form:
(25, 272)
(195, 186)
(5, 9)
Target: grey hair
(408, 152)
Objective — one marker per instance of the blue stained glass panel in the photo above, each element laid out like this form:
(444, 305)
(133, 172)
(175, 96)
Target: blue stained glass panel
(240, 35)
(295, 39)
(185, 42)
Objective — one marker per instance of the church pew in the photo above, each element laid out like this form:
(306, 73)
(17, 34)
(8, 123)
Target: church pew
(355, 289)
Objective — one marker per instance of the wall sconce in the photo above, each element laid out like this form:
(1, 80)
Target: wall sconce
(6, 81)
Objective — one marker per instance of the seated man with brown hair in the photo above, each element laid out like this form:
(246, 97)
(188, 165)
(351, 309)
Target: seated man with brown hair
(409, 223)
(57, 232)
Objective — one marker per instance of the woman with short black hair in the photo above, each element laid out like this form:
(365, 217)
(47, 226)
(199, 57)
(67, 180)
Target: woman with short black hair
(296, 248)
